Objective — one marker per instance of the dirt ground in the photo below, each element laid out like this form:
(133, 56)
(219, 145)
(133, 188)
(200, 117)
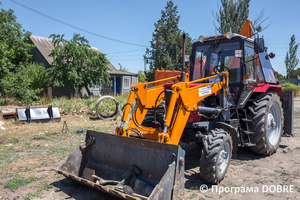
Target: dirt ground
(34, 150)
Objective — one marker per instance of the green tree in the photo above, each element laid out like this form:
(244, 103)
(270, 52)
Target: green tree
(142, 76)
(295, 73)
(14, 38)
(74, 62)
(6, 55)
(278, 75)
(232, 14)
(291, 60)
(165, 35)
(26, 82)
(14, 47)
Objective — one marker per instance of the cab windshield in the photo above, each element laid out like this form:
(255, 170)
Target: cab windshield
(221, 55)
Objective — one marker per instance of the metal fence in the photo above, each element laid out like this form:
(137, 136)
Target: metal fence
(291, 80)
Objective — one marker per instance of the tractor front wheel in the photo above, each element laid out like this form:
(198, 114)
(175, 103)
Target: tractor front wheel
(215, 156)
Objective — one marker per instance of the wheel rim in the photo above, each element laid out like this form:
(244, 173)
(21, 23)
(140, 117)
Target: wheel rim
(274, 124)
(223, 158)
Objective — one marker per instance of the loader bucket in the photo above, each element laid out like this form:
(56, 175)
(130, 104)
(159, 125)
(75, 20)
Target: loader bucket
(127, 168)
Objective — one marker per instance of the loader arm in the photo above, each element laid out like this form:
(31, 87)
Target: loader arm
(185, 94)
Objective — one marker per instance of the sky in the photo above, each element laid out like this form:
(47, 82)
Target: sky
(123, 29)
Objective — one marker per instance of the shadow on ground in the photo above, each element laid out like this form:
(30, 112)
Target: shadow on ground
(192, 159)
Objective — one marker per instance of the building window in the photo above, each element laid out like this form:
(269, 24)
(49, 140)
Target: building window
(126, 82)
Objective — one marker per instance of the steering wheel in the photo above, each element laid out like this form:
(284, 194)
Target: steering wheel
(216, 69)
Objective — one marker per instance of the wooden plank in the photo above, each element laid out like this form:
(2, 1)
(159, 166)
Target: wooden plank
(7, 113)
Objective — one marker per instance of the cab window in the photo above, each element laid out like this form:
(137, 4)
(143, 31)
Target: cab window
(221, 55)
(267, 68)
(250, 63)
(232, 64)
(259, 71)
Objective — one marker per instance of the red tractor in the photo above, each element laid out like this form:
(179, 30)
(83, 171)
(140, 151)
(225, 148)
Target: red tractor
(227, 97)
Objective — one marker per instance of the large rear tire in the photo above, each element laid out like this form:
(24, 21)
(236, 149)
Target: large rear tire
(110, 108)
(215, 156)
(266, 114)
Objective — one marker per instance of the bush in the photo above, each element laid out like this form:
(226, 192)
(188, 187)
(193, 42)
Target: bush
(2, 102)
(25, 83)
(76, 104)
(288, 87)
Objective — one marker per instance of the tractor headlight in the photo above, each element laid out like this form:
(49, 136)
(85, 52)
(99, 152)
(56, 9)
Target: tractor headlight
(201, 38)
(229, 35)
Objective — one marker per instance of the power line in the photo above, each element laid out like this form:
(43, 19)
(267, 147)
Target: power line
(128, 55)
(126, 51)
(125, 59)
(72, 26)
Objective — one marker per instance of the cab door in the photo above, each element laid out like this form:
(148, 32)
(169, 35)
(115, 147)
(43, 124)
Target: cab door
(249, 75)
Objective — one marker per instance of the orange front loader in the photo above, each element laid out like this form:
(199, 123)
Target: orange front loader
(140, 161)
(184, 98)
(231, 88)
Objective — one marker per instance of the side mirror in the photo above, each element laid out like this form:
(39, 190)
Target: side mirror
(272, 55)
(187, 58)
(259, 45)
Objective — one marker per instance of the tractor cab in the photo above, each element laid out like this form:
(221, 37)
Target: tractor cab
(244, 58)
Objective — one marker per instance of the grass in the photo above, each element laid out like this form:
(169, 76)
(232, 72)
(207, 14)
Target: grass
(44, 186)
(269, 194)
(74, 104)
(28, 163)
(33, 151)
(77, 104)
(32, 195)
(259, 181)
(7, 156)
(193, 196)
(252, 165)
(8, 140)
(288, 87)
(56, 175)
(28, 169)
(16, 183)
(9, 101)
(69, 104)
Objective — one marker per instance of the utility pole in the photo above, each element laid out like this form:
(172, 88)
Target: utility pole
(145, 62)
(120, 66)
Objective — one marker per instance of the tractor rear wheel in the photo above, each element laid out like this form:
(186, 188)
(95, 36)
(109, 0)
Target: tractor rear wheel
(266, 114)
(215, 156)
